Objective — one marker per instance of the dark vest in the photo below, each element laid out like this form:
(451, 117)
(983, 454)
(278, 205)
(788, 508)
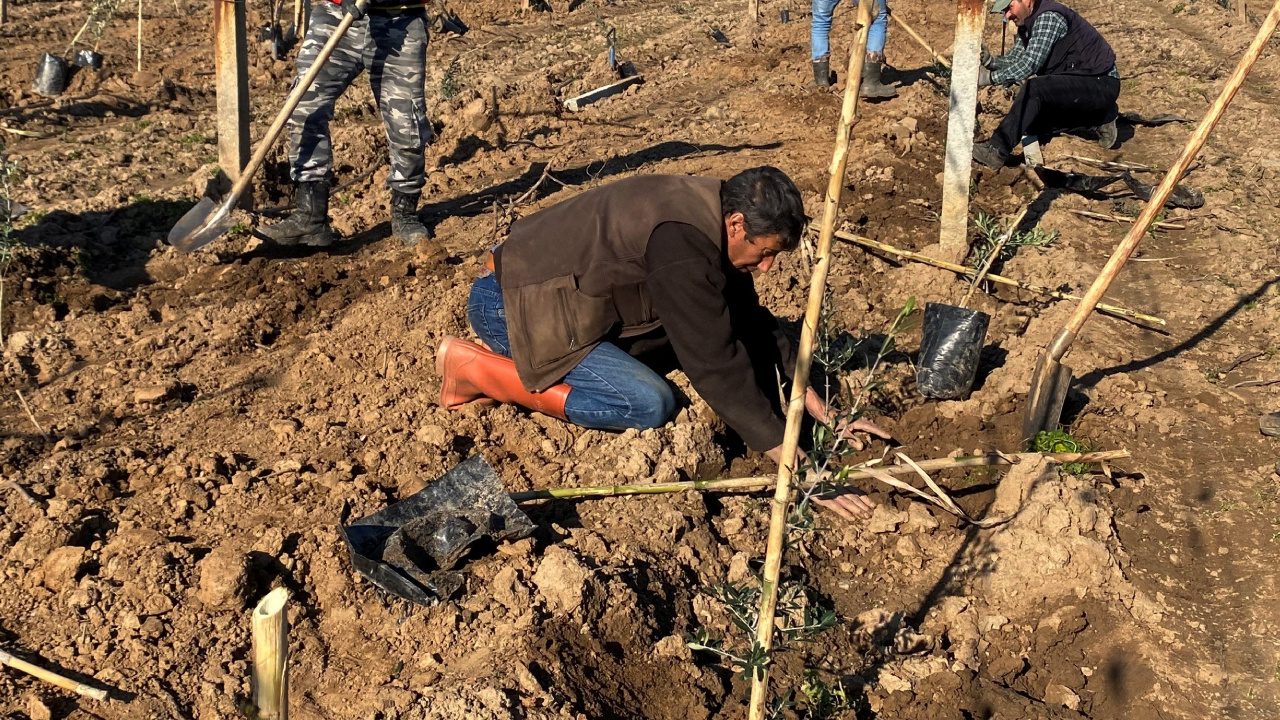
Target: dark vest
(1082, 51)
(573, 273)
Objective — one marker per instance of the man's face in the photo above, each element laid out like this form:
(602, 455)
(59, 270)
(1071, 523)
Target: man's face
(749, 255)
(1018, 11)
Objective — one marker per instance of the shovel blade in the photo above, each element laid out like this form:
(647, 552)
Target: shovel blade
(1049, 386)
(202, 224)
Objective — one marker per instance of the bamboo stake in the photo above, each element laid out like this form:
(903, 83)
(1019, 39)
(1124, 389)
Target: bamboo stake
(271, 655)
(991, 257)
(800, 381)
(749, 484)
(27, 407)
(1000, 279)
(940, 59)
(79, 32)
(139, 35)
(25, 494)
(753, 11)
(1115, 219)
(54, 678)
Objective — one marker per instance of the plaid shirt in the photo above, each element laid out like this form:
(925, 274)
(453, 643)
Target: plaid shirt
(1023, 61)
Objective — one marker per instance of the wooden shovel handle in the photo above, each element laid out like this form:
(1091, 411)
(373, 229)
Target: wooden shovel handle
(291, 104)
(1063, 341)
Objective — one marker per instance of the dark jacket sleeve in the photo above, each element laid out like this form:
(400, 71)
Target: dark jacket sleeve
(723, 338)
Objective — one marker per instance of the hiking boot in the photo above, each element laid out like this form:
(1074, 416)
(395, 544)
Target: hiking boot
(872, 87)
(821, 74)
(404, 218)
(1269, 424)
(471, 374)
(988, 155)
(1107, 135)
(308, 224)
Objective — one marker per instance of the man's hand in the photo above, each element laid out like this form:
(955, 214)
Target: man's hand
(352, 8)
(818, 409)
(984, 77)
(986, 57)
(848, 503)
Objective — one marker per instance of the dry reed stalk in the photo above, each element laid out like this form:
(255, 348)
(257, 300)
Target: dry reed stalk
(967, 271)
(800, 381)
(751, 484)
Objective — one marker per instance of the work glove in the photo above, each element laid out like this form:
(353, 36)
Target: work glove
(984, 77)
(352, 8)
(986, 57)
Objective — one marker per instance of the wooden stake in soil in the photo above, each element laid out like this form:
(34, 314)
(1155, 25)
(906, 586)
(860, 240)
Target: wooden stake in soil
(54, 678)
(139, 35)
(231, 58)
(961, 120)
(271, 656)
(4, 11)
(800, 380)
(31, 415)
(938, 58)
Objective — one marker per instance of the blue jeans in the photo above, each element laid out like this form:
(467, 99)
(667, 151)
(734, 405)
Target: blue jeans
(820, 28)
(609, 389)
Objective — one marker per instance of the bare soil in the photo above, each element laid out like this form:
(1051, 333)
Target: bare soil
(210, 420)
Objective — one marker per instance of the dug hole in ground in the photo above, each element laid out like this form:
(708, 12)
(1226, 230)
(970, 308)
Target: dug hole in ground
(213, 418)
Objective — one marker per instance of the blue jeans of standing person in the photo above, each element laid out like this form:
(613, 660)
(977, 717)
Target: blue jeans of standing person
(820, 28)
(610, 390)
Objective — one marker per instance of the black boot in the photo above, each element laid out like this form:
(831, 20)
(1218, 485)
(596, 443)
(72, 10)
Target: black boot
(308, 224)
(404, 218)
(872, 87)
(1108, 135)
(989, 155)
(821, 74)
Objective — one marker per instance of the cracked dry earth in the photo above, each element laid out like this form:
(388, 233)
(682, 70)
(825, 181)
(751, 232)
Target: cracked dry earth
(212, 419)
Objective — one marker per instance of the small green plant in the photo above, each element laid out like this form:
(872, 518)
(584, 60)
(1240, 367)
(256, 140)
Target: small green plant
(192, 139)
(1250, 305)
(1060, 441)
(990, 230)
(822, 701)
(1179, 8)
(1212, 376)
(451, 82)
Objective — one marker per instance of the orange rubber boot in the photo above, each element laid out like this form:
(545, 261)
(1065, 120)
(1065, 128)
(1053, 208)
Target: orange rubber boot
(469, 373)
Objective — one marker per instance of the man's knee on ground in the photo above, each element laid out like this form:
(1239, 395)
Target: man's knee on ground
(652, 406)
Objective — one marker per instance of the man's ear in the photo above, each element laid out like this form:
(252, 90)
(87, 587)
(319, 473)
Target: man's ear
(735, 223)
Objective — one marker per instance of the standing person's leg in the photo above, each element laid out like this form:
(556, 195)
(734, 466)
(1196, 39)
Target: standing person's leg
(310, 151)
(819, 37)
(872, 86)
(608, 390)
(397, 60)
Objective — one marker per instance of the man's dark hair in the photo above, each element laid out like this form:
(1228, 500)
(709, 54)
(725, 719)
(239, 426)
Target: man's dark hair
(769, 202)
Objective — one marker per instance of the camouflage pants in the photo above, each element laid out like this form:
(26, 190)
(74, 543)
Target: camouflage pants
(393, 48)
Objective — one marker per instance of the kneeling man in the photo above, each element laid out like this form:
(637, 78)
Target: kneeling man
(1075, 83)
(581, 289)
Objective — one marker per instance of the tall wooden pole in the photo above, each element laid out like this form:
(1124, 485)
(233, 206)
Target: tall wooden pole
(232, 59)
(782, 496)
(966, 56)
(4, 11)
(300, 8)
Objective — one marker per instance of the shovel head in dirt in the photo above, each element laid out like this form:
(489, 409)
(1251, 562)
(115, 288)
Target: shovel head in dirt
(413, 548)
(1049, 386)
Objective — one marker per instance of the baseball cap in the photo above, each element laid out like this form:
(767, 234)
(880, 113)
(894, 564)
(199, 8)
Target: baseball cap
(999, 6)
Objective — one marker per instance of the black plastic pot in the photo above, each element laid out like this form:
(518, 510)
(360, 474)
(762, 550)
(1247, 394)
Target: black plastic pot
(87, 59)
(949, 350)
(785, 16)
(51, 75)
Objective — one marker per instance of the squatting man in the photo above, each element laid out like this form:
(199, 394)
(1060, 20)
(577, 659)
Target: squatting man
(390, 41)
(1075, 83)
(585, 298)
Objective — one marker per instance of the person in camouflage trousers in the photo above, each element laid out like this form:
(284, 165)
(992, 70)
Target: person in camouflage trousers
(390, 41)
